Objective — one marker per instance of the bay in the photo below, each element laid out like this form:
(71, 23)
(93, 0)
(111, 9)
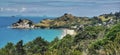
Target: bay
(14, 35)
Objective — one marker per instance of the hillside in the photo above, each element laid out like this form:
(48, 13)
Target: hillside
(71, 21)
(65, 21)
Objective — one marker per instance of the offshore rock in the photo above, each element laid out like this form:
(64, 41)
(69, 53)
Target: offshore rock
(23, 23)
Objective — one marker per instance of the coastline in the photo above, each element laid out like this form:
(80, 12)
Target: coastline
(67, 31)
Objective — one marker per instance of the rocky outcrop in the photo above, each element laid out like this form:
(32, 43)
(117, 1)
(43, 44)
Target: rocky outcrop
(23, 23)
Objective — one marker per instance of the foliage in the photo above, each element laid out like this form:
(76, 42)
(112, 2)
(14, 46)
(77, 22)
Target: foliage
(110, 43)
(38, 45)
(19, 48)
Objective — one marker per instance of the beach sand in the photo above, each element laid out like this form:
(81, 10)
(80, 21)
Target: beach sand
(67, 31)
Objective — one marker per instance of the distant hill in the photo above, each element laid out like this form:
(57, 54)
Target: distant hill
(69, 21)
(65, 21)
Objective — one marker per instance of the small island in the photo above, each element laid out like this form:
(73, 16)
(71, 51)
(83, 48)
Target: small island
(23, 23)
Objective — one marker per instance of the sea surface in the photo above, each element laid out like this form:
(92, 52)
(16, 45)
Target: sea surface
(14, 35)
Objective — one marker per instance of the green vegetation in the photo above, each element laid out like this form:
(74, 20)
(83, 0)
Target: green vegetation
(65, 21)
(92, 40)
(68, 20)
(109, 45)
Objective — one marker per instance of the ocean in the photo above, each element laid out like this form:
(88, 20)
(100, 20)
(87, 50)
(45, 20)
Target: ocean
(14, 35)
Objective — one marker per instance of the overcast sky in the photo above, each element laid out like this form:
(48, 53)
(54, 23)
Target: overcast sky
(58, 7)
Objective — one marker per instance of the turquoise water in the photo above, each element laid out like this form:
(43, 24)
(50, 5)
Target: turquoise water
(14, 35)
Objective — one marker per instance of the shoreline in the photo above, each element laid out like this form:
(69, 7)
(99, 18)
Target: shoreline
(65, 31)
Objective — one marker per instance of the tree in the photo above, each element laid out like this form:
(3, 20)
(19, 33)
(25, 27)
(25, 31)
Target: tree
(19, 48)
(37, 46)
(8, 49)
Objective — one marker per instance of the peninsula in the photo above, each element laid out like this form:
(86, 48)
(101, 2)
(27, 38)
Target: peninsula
(69, 21)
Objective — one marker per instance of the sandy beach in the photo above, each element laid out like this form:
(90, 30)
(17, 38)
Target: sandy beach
(67, 31)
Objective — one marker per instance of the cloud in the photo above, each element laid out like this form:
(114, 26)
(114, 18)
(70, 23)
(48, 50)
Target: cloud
(1, 9)
(10, 9)
(59, 3)
(23, 9)
(58, 6)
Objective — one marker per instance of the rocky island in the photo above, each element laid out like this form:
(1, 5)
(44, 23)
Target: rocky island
(23, 23)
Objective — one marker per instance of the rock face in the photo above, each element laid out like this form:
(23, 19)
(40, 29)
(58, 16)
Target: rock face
(23, 23)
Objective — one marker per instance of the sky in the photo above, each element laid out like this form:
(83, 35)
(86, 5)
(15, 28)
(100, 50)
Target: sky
(58, 7)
